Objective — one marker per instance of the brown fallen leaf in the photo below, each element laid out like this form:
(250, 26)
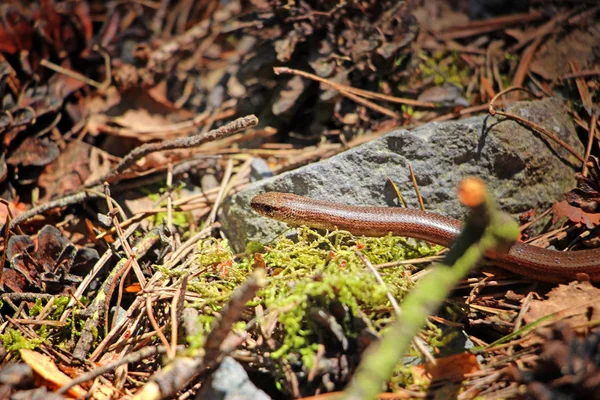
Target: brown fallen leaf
(568, 366)
(77, 164)
(574, 214)
(451, 368)
(587, 193)
(34, 152)
(47, 370)
(52, 264)
(15, 207)
(551, 60)
(139, 116)
(577, 301)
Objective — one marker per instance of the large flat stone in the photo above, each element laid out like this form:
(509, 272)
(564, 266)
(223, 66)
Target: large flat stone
(523, 169)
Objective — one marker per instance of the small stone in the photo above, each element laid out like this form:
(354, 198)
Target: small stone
(230, 382)
(259, 169)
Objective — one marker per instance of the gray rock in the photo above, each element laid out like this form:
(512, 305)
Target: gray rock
(259, 169)
(230, 382)
(522, 169)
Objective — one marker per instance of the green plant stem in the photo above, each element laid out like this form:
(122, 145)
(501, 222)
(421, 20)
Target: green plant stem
(477, 238)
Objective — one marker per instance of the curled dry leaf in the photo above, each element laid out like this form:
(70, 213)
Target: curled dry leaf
(587, 194)
(50, 263)
(139, 116)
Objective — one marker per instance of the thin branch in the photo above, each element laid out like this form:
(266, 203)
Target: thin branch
(352, 90)
(236, 126)
(530, 124)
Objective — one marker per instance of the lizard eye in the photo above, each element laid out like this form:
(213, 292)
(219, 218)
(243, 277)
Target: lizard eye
(267, 209)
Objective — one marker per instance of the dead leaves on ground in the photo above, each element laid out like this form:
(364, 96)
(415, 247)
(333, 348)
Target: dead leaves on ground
(53, 378)
(48, 265)
(577, 303)
(45, 368)
(568, 367)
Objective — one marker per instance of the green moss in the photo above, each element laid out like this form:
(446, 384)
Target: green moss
(179, 218)
(196, 341)
(14, 341)
(309, 274)
(408, 110)
(319, 269)
(213, 251)
(36, 309)
(59, 306)
(44, 331)
(220, 276)
(450, 72)
(254, 247)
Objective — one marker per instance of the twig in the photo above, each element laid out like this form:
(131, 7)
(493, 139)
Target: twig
(524, 309)
(416, 186)
(155, 325)
(184, 250)
(533, 221)
(165, 383)
(176, 310)
(487, 25)
(352, 90)
(379, 280)
(226, 177)
(370, 104)
(119, 298)
(582, 88)
(139, 355)
(76, 75)
(231, 313)
(530, 124)
(409, 262)
(26, 296)
(581, 74)
(76, 198)
(525, 61)
(95, 310)
(184, 204)
(128, 251)
(170, 227)
(398, 193)
(179, 143)
(527, 56)
(591, 135)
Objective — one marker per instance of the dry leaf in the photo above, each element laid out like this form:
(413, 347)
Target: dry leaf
(451, 368)
(45, 367)
(578, 300)
(77, 164)
(575, 214)
(34, 152)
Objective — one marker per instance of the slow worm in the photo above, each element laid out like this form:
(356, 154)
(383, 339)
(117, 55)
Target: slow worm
(527, 260)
